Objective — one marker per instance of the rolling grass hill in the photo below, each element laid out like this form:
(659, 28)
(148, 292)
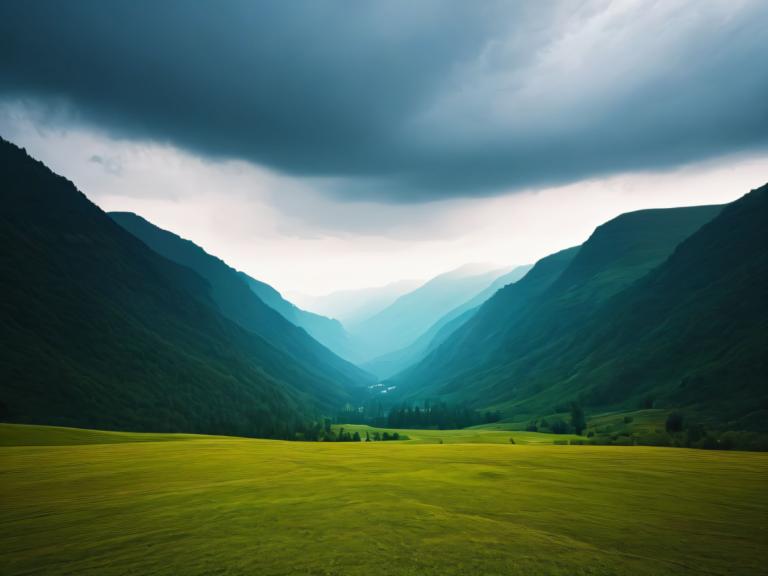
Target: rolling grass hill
(100, 331)
(217, 505)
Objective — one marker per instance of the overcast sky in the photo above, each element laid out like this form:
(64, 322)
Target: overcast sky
(327, 145)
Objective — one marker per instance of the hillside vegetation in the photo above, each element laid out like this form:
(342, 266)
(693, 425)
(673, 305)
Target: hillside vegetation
(237, 297)
(664, 308)
(100, 331)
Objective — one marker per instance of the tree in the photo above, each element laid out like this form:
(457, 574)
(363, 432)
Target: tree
(578, 420)
(674, 422)
(356, 437)
(367, 437)
(558, 426)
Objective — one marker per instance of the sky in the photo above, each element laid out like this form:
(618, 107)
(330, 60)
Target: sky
(327, 145)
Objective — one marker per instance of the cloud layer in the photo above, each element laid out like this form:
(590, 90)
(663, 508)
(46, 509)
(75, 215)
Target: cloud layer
(400, 101)
(280, 230)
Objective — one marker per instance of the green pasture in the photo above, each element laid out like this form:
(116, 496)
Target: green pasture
(487, 434)
(231, 506)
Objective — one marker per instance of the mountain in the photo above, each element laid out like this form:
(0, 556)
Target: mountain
(401, 323)
(234, 291)
(390, 364)
(692, 333)
(329, 332)
(516, 348)
(352, 307)
(100, 331)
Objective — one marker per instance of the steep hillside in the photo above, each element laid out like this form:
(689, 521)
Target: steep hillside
(238, 301)
(491, 359)
(470, 344)
(692, 333)
(329, 332)
(98, 330)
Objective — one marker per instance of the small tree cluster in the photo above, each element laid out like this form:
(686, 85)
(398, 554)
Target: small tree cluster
(440, 415)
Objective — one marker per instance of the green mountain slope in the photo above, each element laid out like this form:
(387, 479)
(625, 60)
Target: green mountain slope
(492, 359)
(98, 330)
(238, 301)
(394, 362)
(469, 345)
(329, 332)
(692, 333)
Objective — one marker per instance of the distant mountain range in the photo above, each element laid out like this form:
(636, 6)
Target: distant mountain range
(111, 322)
(659, 307)
(99, 330)
(354, 306)
(412, 314)
(391, 363)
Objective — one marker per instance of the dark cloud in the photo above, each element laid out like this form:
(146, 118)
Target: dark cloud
(404, 101)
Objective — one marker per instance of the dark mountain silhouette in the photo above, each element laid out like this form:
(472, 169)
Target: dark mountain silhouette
(238, 301)
(100, 331)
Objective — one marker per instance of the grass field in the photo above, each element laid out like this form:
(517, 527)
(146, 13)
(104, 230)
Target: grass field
(137, 504)
(487, 434)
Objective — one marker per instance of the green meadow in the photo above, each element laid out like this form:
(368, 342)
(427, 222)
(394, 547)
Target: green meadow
(486, 434)
(105, 503)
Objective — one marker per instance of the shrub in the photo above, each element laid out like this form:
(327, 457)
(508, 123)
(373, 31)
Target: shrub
(512, 441)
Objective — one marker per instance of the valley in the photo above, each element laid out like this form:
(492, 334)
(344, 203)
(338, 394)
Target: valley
(383, 288)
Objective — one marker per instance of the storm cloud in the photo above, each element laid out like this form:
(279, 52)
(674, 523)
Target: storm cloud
(403, 101)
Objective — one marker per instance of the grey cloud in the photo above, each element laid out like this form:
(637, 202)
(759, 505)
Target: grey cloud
(404, 101)
(110, 164)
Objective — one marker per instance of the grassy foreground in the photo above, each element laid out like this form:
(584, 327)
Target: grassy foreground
(215, 505)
